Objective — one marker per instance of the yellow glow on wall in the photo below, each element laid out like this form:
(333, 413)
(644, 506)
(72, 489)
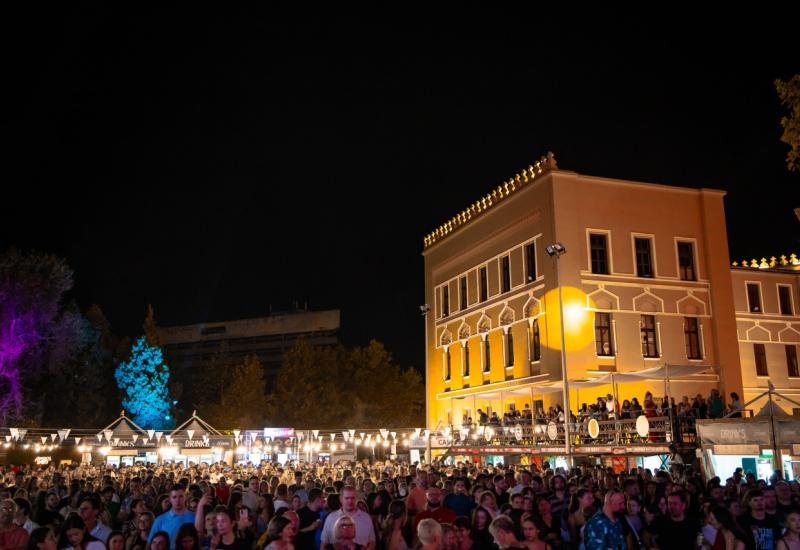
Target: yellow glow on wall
(578, 319)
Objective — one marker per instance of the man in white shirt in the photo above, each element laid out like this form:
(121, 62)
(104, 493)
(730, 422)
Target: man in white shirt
(365, 534)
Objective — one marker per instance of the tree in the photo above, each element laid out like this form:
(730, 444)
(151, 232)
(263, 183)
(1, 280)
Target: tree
(150, 328)
(789, 93)
(144, 378)
(36, 330)
(340, 387)
(83, 392)
(242, 402)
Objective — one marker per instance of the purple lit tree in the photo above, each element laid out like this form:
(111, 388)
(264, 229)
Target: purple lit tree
(31, 322)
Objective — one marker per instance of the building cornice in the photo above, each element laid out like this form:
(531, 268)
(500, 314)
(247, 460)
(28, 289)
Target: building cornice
(546, 164)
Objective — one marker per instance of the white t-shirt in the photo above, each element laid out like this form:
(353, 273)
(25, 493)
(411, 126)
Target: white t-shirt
(365, 533)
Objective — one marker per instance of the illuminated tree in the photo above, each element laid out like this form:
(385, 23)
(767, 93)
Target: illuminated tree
(144, 378)
(36, 332)
(789, 92)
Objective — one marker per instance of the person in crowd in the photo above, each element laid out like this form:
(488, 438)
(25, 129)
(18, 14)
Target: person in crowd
(280, 534)
(429, 533)
(177, 515)
(75, 536)
(42, 538)
(604, 530)
(502, 529)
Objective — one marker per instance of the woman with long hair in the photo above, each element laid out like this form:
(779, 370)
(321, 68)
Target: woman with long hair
(581, 508)
(791, 538)
(280, 533)
(480, 535)
(116, 541)
(74, 536)
(393, 524)
(531, 527)
(187, 538)
(227, 536)
(729, 535)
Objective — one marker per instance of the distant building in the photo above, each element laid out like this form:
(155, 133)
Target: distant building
(227, 343)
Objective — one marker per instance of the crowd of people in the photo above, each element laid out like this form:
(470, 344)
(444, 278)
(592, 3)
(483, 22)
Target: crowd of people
(390, 506)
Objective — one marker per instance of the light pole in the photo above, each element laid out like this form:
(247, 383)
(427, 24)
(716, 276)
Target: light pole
(556, 250)
(424, 310)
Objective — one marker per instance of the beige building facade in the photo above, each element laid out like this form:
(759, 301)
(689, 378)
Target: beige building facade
(646, 281)
(766, 298)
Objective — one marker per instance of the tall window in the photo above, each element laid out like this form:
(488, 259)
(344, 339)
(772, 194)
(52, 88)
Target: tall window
(785, 299)
(686, 261)
(599, 252)
(487, 355)
(484, 285)
(466, 359)
(791, 361)
(509, 349)
(649, 343)
(462, 285)
(530, 262)
(761, 359)
(447, 364)
(691, 333)
(602, 334)
(754, 297)
(506, 267)
(536, 344)
(644, 257)
(446, 301)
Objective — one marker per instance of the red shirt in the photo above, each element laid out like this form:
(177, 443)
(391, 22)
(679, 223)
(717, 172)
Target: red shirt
(442, 514)
(13, 537)
(223, 493)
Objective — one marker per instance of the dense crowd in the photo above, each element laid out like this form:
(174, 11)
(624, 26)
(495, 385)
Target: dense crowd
(390, 506)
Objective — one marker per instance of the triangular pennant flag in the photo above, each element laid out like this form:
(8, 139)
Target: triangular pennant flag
(53, 437)
(352, 433)
(333, 436)
(14, 433)
(8, 439)
(44, 439)
(135, 437)
(150, 434)
(384, 432)
(190, 433)
(100, 437)
(146, 440)
(158, 436)
(77, 440)
(108, 434)
(236, 433)
(21, 432)
(315, 432)
(169, 439)
(394, 435)
(63, 435)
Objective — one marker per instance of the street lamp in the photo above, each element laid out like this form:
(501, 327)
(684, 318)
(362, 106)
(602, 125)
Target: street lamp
(424, 310)
(556, 250)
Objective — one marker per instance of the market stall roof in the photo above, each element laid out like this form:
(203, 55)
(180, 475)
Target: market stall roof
(122, 427)
(197, 426)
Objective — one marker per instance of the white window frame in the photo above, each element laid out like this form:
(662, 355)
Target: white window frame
(652, 239)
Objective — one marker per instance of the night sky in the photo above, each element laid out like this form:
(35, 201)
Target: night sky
(215, 164)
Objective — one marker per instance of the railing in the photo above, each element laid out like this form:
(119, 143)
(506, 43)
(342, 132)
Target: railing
(526, 433)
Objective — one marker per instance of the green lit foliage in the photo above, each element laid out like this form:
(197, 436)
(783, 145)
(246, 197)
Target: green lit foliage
(789, 92)
(242, 402)
(143, 378)
(336, 387)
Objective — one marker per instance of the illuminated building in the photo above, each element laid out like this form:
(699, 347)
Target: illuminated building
(646, 282)
(765, 293)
